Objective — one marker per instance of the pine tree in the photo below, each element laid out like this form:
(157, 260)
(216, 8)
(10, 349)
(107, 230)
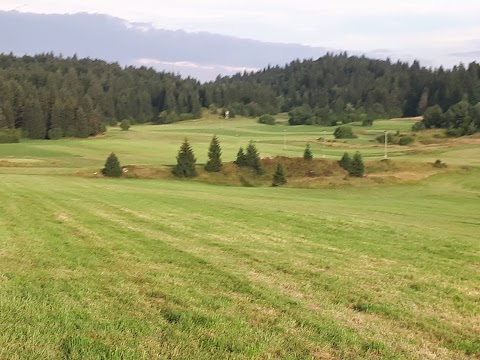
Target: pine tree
(185, 161)
(357, 168)
(241, 158)
(253, 159)
(214, 163)
(345, 161)
(112, 167)
(279, 176)
(33, 120)
(307, 155)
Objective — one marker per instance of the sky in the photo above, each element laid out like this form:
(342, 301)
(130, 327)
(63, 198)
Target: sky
(438, 32)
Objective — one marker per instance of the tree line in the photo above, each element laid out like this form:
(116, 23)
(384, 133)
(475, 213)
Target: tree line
(342, 88)
(47, 96)
(50, 97)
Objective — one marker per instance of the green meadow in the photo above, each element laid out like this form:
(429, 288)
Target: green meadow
(96, 268)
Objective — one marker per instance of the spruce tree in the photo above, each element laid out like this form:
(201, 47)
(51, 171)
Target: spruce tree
(307, 155)
(214, 163)
(357, 168)
(279, 176)
(345, 161)
(253, 159)
(185, 161)
(241, 158)
(112, 166)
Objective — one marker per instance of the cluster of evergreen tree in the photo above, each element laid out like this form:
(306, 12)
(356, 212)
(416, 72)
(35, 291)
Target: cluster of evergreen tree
(50, 97)
(250, 158)
(339, 88)
(354, 166)
(460, 119)
(47, 96)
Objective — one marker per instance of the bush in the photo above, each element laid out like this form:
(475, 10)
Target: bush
(267, 119)
(111, 121)
(455, 132)
(279, 176)
(125, 125)
(368, 121)
(10, 136)
(55, 134)
(406, 140)
(185, 116)
(344, 132)
(418, 126)
(112, 167)
(439, 164)
(390, 138)
(301, 115)
(356, 168)
(166, 118)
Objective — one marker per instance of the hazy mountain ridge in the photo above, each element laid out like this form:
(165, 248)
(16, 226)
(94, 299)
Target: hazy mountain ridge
(202, 55)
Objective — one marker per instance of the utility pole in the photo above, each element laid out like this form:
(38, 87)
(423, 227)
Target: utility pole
(385, 156)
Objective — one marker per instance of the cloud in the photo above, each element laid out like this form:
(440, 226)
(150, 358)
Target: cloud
(203, 72)
(430, 29)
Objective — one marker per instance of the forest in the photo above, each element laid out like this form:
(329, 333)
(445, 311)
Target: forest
(48, 96)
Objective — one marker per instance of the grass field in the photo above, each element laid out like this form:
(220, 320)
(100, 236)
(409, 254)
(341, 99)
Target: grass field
(94, 268)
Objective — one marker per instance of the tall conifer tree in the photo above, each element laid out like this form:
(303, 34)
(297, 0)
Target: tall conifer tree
(214, 163)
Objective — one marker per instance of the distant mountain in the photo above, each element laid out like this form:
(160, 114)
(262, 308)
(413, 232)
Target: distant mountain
(201, 55)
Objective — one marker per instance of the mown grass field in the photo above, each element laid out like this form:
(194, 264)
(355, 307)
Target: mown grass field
(94, 268)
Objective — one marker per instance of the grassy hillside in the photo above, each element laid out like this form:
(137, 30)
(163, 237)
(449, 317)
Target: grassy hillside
(94, 268)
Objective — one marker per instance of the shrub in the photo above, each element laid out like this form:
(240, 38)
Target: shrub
(367, 122)
(185, 116)
(307, 155)
(112, 121)
(418, 126)
(455, 132)
(344, 132)
(112, 166)
(279, 176)
(267, 119)
(166, 118)
(10, 136)
(439, 164)
(125, 125)
(405, 140)
(185, 162)
(356, 168)
(345, 161)
(390, 138)
(55, 134)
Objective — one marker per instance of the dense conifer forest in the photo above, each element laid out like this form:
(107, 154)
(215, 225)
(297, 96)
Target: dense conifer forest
(48, 96)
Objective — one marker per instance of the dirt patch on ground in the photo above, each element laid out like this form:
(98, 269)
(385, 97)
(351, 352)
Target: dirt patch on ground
(404, 175)
(417, 118)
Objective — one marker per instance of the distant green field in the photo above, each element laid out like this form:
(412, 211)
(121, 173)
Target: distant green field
(158, 145)
(94, 268)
